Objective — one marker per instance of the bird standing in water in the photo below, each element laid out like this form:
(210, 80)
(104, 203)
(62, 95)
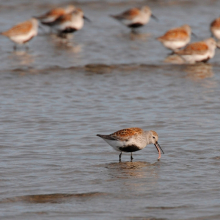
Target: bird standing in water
(51, 16)
(135, 17)
(23, 32)
(131, 140)
(176, 38)
(70, 23)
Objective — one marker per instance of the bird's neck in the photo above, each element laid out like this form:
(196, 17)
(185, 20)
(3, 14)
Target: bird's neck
(147, 135)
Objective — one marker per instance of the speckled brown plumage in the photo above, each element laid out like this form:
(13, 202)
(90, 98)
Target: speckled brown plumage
(56, 12)
(197, 47)
(64, 18)
(127, 132)
(177, 34)
(129, 14)
(21, 28)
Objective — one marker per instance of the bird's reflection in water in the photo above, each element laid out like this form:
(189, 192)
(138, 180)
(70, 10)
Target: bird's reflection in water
(135, 36)
(65, 43)
(21, 57)
(139, 36)
(136, 176)
(195, 72)
(199, 71)
(174, 59)
(137, 169)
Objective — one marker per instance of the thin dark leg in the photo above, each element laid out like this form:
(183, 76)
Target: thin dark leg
(15, 47)
(135, 30)
(41, 27)
(131, 156)
(27, 46)
(62, 35)
(120, 157)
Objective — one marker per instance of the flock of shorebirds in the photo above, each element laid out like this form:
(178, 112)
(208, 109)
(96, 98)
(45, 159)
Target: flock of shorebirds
(67, 20)
(61, 20)
(70, 19)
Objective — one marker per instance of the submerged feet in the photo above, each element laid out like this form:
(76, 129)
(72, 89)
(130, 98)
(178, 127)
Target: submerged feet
(121, 154)
(120, 157)
(131, 157)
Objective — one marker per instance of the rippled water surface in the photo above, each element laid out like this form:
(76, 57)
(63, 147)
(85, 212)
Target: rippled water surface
(56, 97)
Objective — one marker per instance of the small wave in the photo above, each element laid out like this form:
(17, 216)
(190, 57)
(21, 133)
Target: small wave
(50, 198)
(169, 207)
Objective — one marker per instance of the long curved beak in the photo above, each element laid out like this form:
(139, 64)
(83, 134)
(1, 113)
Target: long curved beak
(86, 19)
(159, 149)
(154, 17)
(194, 35)
(212, 35)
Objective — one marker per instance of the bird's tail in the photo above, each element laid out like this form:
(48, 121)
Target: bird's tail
(100, 135)
(114, 16)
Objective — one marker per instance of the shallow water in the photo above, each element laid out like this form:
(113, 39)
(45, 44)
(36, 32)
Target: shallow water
(56, 97)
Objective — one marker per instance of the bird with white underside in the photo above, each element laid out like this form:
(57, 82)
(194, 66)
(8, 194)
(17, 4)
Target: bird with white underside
(23, 32)
(200, 51)
(71, 22)
(176, 38)
(131, 140)
(51, 16)
(135, 17)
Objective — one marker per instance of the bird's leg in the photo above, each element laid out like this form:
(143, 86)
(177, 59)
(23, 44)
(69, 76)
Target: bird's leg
(62, 35)
(171, 53)
(131, 157)
(41, 27)
(26, 46)
(15, 47)
(134, 31)
(120, 157)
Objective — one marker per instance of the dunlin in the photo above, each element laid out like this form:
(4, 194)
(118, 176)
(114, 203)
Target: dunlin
(176, 38)
(135, 17)
(199, 51)
(131, 140)
(71, 22)
(22, 32)
(51, 16)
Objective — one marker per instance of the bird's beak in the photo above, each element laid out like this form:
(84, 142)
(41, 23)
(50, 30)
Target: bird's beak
(194, 35)
(86, 19)
(159, 149)
(212, 35)
(217, 45)
(154, 17)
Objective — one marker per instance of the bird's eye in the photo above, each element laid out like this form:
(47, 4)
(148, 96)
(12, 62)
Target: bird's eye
(153, 137)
